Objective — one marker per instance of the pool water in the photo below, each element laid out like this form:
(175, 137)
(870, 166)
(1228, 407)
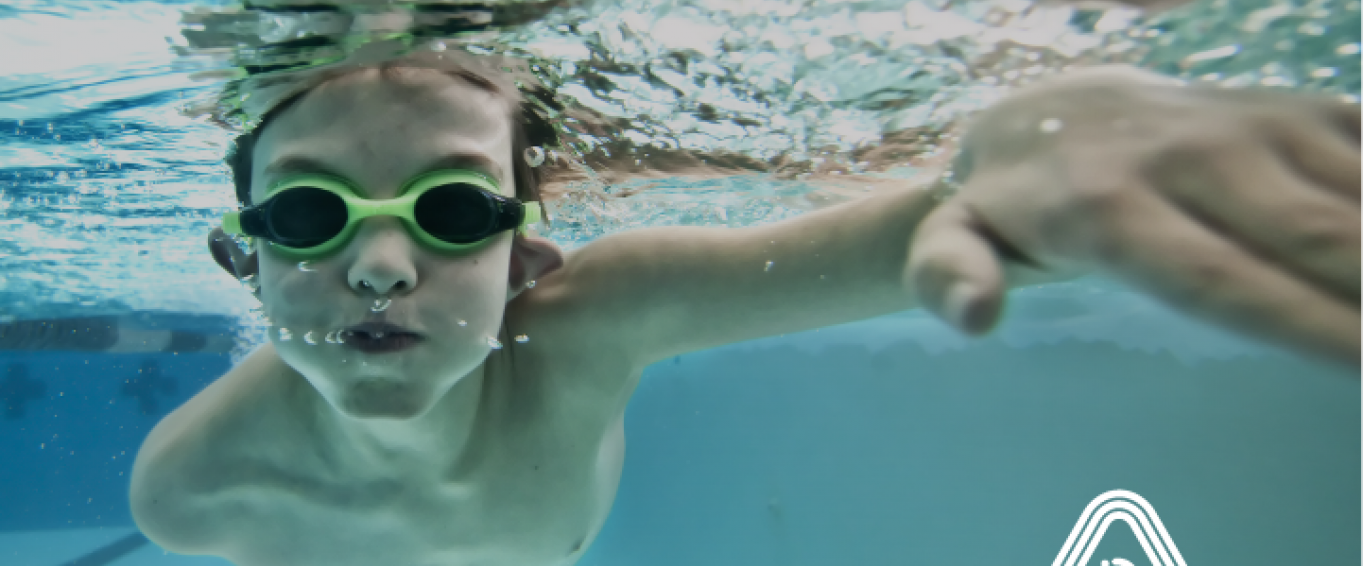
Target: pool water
(887, 441)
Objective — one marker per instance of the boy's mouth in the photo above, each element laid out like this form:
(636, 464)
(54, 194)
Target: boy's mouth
(378, 337)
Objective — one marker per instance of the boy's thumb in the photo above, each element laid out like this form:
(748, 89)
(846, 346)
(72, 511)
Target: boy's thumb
(954, 271)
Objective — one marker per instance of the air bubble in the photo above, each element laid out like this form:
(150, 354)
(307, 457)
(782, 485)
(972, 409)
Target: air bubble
(463, 323)
(768, 268)
(1347, 49)
(334, 337)
(522, 338)
(306, 266)
(437, 46)
(1051, 125)
(530, 285)
(381, 304)
(310, 339)
(285, 335)
(534, 156)
(494, 343)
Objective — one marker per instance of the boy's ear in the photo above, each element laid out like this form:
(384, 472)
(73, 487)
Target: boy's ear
(532, 257)
(230, 257)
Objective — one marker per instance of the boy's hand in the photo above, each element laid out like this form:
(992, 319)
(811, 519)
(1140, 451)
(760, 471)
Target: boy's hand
(1241, 207)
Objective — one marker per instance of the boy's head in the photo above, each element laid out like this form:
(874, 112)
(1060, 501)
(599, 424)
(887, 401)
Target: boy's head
(378, 127)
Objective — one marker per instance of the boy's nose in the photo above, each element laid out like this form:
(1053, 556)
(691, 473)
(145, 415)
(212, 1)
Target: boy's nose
(379, 285)
(382, 257)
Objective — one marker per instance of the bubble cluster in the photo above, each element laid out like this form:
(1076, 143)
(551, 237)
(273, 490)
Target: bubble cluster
(534, 156)
(381, 304)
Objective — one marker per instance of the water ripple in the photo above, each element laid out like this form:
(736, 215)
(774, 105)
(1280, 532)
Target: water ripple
(111, 177)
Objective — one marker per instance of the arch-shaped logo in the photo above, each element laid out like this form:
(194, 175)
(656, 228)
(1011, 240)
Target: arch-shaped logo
(1114, 505)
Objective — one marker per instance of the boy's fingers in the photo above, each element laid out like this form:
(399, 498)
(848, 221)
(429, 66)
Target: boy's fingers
(1191, 267)
(1325, 157)
(1349, 118)
(1328, 110)
(954, 271)
(1289, 221)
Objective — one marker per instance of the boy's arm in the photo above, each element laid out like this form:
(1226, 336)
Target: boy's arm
(659, 292)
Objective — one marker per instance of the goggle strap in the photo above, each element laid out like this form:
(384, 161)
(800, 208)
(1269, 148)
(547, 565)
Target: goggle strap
(517, 215)
(231, 223)
(533, 214)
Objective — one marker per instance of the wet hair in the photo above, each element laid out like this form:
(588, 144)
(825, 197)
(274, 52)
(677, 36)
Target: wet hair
(529, 128)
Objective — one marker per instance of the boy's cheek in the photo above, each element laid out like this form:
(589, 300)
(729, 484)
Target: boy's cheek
(286, 281)
(301, 300)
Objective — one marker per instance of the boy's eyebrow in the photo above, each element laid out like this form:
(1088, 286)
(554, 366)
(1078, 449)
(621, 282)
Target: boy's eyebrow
(300, 164)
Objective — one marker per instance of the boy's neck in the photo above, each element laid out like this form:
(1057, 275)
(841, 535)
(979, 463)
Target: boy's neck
(441, 434)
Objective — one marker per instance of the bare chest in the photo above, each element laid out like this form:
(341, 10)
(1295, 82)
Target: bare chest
(533, 486)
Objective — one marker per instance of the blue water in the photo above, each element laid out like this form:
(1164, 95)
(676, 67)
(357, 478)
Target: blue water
(888, 441)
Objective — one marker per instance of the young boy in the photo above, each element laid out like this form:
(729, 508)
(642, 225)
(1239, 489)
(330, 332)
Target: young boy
(379, 426)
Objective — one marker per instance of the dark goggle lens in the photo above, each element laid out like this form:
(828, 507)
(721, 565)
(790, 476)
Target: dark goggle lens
(306, 216)
(458, 213)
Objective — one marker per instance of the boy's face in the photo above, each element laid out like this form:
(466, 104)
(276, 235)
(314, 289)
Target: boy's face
(380, 133)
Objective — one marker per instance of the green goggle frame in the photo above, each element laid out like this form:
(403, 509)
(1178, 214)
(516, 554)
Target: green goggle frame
(480, 214)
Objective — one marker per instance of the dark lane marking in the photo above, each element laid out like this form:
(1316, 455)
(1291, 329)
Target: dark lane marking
(110, 552)
(16, 390)
(82, 334)
(106, 334)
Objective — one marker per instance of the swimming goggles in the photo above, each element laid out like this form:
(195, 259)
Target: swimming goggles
(449, 210)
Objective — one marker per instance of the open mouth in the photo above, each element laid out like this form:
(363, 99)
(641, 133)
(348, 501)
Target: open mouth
(376, 338)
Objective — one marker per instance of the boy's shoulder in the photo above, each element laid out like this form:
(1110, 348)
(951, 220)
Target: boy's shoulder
(179, 468)
(572, 338)
(249, 398)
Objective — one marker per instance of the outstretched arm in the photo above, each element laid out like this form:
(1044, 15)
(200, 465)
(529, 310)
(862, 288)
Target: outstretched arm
(1240, 207)
(671, 290)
